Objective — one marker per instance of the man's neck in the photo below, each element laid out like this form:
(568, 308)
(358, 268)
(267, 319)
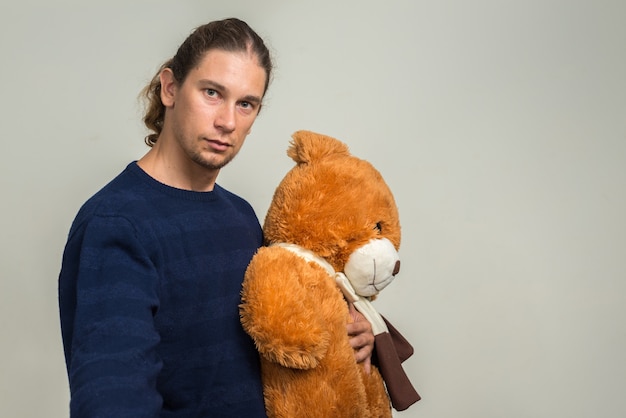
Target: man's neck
(173, 169)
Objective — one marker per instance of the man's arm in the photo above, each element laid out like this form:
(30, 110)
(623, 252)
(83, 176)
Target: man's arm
(108, 296)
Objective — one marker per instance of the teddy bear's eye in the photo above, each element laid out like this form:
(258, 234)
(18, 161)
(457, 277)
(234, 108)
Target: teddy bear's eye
(378, 227)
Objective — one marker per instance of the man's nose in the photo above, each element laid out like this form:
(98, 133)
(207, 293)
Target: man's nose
(225, 118)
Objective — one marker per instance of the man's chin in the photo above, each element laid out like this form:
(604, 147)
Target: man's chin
(214, 163)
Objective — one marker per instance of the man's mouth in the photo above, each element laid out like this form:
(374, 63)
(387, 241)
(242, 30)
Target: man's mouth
(218, 145)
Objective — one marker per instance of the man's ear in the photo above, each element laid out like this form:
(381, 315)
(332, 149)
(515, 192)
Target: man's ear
(168, 87)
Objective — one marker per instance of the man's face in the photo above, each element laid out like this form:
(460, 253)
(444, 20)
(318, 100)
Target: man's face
(212, 112)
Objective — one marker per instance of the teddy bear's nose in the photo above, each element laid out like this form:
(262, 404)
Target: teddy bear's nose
(396, 268)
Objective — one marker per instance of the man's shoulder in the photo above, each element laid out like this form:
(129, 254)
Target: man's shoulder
(123, 196)
(125, 188)
(233, 198)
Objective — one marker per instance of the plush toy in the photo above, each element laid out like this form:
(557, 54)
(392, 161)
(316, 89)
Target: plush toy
(332, 233)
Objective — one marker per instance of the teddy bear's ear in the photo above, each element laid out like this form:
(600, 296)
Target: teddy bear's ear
(308, 146)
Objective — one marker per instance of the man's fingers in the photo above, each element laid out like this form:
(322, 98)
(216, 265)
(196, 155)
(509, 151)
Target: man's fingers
(361, 338)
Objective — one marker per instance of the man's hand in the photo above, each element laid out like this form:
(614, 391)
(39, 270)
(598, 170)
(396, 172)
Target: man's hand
(361, 338)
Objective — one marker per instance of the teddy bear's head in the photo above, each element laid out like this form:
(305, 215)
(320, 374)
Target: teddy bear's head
(340, 208)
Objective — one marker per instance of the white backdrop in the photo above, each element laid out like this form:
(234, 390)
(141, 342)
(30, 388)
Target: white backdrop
(499, 125)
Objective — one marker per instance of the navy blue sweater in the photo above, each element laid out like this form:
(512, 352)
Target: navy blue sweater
(148, 293)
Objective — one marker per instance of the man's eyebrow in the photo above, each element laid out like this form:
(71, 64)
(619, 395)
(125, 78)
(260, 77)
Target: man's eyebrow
(217, 86)
(211, 83)
(252, 99)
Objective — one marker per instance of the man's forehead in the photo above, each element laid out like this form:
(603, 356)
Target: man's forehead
(231, 70)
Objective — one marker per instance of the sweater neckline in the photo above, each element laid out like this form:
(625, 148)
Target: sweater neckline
(134, 168)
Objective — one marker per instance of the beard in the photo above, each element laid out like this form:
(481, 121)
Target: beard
(208, 160)
(210, 163)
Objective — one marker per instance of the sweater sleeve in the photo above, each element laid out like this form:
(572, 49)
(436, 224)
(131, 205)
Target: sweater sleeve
(112, 359)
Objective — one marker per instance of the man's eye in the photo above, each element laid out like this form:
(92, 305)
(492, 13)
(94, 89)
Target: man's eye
(246, 105)
(378, 227)
(211, 92)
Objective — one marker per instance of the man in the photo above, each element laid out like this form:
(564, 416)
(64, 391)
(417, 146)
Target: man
(151, 277)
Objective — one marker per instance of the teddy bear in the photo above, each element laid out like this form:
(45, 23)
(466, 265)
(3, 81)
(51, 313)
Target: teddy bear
(332, 235)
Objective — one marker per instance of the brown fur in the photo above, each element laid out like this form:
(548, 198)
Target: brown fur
(329, 203)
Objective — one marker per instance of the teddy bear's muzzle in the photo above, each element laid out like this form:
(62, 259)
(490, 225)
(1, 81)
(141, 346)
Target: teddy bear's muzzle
(371, 267)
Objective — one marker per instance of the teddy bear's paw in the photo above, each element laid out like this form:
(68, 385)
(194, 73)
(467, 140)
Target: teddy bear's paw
(295, 357)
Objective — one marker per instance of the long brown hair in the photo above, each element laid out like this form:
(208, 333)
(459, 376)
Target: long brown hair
(231, 34)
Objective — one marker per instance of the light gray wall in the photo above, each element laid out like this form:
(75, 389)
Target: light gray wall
(499, 125)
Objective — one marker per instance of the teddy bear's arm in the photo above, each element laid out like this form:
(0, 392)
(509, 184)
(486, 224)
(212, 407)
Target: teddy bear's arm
(280, 308)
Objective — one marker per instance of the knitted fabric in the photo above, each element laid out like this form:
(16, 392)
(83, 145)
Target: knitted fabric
(149, 292)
